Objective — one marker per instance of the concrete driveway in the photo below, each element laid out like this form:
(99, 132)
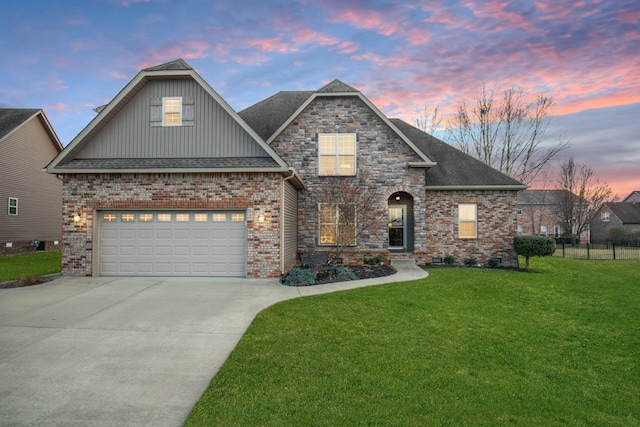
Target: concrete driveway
(127, 351)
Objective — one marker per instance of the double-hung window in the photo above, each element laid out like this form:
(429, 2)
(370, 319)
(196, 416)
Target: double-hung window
(13, 206)
(468, 221)
(172, 111)
(605, 217)
(337, 154)
(337, 224)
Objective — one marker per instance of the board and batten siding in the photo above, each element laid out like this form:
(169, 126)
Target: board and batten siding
(24, 154)
(208, 130)
(290, 243)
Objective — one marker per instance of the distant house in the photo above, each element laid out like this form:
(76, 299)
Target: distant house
(634, 197)
(616, 214)
(32, 198)
(169, 180)
(540, 213)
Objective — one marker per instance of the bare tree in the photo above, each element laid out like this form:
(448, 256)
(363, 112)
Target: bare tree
(348, 209)
(510, 134)
(428, 120)
(584, 196)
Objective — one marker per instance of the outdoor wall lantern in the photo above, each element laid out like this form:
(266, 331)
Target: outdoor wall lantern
(76, 217)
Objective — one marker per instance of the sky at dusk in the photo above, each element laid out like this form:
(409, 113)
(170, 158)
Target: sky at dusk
(68, 57)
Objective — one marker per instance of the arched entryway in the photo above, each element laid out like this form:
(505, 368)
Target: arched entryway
(401, 222)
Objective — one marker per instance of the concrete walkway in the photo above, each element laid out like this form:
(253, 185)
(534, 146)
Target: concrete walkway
(127, 351)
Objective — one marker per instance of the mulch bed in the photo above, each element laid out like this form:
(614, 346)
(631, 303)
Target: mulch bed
(27, 281)
(361, 272)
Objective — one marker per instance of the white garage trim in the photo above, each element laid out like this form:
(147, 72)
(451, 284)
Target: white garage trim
(172, 243)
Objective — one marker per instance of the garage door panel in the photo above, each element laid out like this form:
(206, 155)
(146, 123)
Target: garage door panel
(157, 243)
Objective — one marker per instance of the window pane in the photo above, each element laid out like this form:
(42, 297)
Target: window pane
(183, 217)
(164, 217)
(327, 214)
(327, 233)
(145, 217)
(346, 144)
(127, 217)
(109, 217)
(172, 119)
(13, 206)
(201, 217)
(347, 165)
(467, 229)
(467, 212)
(217, 217)
(172, 105)
(327, 165)
(327, 144)
(237, 217)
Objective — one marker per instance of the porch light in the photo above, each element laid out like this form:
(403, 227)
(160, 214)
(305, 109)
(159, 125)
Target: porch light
(76, 217)
(398, 197)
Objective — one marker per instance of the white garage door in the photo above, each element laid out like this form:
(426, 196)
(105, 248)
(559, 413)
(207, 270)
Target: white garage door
(173, 243)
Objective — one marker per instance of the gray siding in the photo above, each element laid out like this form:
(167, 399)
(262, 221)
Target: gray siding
(290, 226)
(23, 155)
(208, 130)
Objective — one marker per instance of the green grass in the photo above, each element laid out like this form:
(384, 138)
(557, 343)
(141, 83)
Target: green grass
(20, 266)
(465, 347)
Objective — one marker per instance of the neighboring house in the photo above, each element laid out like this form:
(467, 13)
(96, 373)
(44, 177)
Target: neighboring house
(540, 213)
(634, 197)
(616, 214)
(168, 179)
(32, 199)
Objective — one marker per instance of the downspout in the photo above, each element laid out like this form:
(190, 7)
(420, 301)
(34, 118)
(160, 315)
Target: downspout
(293, 173)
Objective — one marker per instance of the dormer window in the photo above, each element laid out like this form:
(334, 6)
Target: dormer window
(172, 111)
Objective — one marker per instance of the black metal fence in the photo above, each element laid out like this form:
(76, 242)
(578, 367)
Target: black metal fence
(597, 251)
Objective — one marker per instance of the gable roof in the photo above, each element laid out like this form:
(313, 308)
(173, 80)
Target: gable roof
(271, 116)
(12, 119)
(66, 162)
(627, 213)
(633, 197)
(542, 197)
(454, 169)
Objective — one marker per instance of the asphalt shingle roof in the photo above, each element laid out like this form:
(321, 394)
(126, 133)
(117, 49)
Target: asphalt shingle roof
(628, 213)
(453, 168)
(542, 197)
(11, 118)
(173, 163)
(268, 115)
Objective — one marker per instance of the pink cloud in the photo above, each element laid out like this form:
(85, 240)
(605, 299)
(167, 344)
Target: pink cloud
(58, 106)
(271, 44)
(187, 49)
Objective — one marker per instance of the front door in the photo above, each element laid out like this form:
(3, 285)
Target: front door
(397, 227)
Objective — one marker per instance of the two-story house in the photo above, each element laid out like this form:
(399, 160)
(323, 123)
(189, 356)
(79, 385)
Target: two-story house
(169, 180)
(540, 212)
(32, 199)
(616, 214)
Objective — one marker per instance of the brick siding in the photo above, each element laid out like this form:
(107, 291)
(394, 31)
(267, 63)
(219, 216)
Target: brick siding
(254, 192)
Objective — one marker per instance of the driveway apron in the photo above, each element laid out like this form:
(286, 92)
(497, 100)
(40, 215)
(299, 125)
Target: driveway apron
(126, 351)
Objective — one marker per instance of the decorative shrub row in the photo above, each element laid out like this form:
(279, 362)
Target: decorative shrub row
(306, 277)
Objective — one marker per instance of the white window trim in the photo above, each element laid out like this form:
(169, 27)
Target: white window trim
(164, 103)
(9, 206)
(475, 220)
(336, 135)
(605, 217)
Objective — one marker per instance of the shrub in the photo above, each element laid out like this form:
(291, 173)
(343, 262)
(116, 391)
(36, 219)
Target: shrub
(471, 262)
(493, 262)
(449, 260)
(300, 277)
(344, 274)
(376, 260)
(528, 246)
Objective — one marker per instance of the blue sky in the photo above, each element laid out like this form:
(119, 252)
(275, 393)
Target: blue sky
(68, 57)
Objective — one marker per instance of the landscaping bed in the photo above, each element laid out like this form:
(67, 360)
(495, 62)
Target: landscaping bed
(360, 271)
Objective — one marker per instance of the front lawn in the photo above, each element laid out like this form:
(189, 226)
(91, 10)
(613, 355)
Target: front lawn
(555, 347)
(27, 265)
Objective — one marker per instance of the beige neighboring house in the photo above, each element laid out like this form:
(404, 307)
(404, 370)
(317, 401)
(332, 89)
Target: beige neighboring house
(32, 198)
